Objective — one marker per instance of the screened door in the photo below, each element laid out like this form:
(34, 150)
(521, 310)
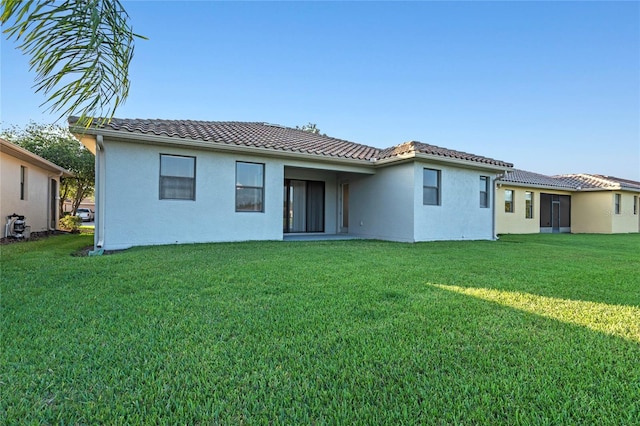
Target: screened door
(555, 216)
(555, 213)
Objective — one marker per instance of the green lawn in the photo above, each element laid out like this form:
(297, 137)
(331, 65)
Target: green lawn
(540, 329)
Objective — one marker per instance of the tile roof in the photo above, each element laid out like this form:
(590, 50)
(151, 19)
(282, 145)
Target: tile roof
(414, 147)
(570, 182)
(249, 134)
(275, 137)
(591, 181)
(530, 178)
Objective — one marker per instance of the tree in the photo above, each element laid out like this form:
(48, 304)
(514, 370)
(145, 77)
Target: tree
(80, 50)
(310, 127)
(57, 144)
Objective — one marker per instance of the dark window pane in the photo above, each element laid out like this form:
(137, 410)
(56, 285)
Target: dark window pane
(528, 197)
(249, 187)
(177, 188)
(484, 199)
(249, 199)
(249, 174)
(431, 187)
(430, 196)
(177, 166)
(430, 177)
(177, 177)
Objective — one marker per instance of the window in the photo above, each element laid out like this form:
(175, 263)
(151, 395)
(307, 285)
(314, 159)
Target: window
(23, 183)
(177, 177)
(249, 187)
(617, 203)
(431, 187)
(508, 201)
(528, 205)
(484, 191)
(635, 204)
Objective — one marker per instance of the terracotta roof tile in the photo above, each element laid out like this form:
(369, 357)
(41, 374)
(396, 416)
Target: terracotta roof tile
(423, 148)
(275, 137)
(253, 134)
(530, 178)
(571, 182)
(591, 181)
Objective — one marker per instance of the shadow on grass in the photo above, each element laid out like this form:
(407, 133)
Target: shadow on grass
(616, 320)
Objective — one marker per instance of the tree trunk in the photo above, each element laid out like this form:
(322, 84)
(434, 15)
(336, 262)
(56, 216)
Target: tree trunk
(64, 193)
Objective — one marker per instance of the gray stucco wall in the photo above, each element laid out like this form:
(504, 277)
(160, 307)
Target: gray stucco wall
(381, 206)
(459, 215)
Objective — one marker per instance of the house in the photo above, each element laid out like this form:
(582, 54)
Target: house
(579, 203)
(198, 181)
(29, 187)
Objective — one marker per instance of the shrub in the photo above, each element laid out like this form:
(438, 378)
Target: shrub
(70, 223)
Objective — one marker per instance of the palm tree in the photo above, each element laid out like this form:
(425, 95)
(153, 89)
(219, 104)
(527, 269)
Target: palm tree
(80, 51)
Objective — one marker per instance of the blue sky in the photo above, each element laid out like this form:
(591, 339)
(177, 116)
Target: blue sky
(553, 87)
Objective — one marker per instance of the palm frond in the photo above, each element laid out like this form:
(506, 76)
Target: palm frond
(80, 51)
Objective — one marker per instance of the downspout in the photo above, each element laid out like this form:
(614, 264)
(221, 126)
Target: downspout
(493, 210)
(98, 238)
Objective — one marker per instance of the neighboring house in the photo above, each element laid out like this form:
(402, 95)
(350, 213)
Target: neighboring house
(579, 203)
(86, 203)
(29, 187)
(194, 181)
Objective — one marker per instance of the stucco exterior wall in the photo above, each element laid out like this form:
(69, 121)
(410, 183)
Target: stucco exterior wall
(459, 215)
(384, 203)
(36, 207)
(133, 214)
(626, 221)
(591, 212)
(517, 222)
(381, 205)
(595, 213)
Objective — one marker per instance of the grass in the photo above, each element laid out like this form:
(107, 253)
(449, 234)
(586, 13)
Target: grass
(539, 329)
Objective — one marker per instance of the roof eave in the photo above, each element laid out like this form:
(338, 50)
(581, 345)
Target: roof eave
(146, 138)
(463, 163)
(25, 155)
(613, 188)
(535, 185)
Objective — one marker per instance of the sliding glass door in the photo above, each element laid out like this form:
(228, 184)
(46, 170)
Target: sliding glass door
(303, 206)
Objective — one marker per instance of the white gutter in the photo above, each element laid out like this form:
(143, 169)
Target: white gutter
(98, 239)
(493, 210)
